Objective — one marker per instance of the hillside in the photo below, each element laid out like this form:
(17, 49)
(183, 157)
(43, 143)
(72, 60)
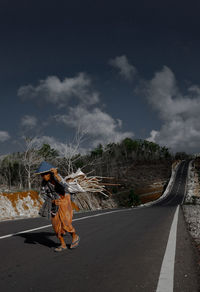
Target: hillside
(138, 183)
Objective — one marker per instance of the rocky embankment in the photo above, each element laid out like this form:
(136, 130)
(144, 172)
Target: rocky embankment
(19, 205)
(191, 207)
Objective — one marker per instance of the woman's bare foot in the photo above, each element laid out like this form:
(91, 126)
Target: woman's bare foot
(75, 240)
(60, 248)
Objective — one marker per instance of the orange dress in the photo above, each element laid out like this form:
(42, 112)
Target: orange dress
(62, 221)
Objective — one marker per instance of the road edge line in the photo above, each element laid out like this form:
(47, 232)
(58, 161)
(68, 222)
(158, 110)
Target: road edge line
(166, 278)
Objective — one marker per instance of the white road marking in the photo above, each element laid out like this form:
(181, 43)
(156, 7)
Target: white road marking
(25, 231)
(166, 279)
(77, 219)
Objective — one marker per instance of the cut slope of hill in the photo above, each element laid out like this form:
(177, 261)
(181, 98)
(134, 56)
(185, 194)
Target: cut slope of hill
(147, 180)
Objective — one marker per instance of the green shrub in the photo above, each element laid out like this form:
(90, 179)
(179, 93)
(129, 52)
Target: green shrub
(134, 199)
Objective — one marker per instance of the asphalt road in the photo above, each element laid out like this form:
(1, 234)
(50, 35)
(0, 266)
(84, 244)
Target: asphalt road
(176, 195)
(119, 251)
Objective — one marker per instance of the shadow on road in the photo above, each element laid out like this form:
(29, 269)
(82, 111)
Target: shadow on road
(42, 238)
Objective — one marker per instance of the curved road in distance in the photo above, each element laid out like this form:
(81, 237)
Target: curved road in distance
(176, 195)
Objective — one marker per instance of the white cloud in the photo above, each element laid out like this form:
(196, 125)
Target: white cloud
(4, 136)
(126, 70)
(180, 113)
(153, 135)
(29, 121)
(56, 91)
(98, 125)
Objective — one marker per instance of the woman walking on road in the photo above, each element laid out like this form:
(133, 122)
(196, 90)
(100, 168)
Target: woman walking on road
(55, 188)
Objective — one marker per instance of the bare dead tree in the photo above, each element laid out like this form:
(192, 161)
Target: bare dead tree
(70, 151)
(31, 158)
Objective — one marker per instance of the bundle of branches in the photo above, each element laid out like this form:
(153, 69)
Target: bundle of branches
(80, 182)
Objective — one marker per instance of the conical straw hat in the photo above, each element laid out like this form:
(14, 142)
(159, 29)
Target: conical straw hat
(44, 167)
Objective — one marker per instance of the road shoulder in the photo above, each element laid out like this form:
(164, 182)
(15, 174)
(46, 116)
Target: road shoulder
(187, 271)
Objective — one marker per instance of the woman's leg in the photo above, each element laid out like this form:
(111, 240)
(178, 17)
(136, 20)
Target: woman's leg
(63, 244)
(74, 236)
(62, 241)
(75, 240)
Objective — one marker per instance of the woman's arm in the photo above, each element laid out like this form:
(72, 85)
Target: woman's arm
(55, 173)
(60, 180)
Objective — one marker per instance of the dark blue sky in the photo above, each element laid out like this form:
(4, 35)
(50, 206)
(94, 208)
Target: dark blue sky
(63, 38)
